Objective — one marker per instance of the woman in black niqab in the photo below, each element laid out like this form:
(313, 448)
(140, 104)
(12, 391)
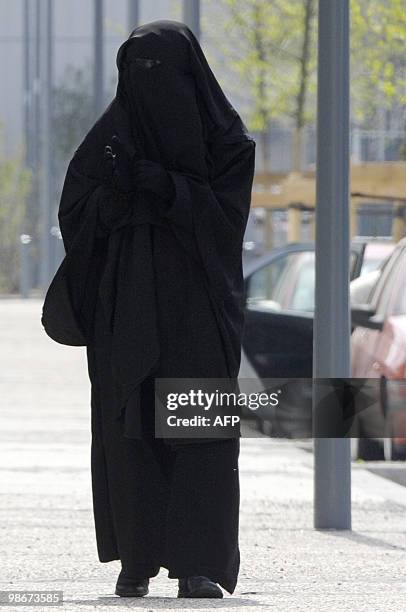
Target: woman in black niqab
(153, 213)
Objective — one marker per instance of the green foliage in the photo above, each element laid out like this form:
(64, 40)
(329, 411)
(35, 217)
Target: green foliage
(263, 42)
(14, 188)
(378, 32)
(264, 49)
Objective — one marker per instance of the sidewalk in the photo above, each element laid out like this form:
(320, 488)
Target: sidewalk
(46, 523)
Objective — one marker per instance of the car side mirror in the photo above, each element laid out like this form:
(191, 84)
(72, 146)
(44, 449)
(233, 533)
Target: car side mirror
(364, 315)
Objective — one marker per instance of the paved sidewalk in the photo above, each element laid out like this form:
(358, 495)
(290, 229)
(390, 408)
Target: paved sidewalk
(46, 523)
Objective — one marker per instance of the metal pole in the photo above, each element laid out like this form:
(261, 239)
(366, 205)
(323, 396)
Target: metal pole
(27, 100)
(29, 141)
(332, 474)
(191, 16)
(25, 266)
(46, 147)
(37, 89)
(98, 67)
(133, 14)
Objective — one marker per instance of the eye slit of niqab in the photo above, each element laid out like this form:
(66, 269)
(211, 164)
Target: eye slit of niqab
(145, 62)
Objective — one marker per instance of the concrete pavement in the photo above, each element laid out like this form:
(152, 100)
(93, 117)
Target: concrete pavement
(46, 523)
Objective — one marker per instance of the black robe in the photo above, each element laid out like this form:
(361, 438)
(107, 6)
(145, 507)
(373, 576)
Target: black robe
(163, 276)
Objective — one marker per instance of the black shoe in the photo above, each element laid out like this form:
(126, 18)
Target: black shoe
(131, 587)
(199, 586)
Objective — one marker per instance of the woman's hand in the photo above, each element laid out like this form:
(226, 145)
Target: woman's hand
(118, 165)
(124, 172)
(107, 168)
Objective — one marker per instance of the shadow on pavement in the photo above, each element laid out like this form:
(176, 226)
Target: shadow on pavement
(360, 538)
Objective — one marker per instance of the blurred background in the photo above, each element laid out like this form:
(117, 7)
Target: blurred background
(57, 67)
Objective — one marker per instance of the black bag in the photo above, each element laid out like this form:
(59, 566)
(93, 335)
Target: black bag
(58, 317)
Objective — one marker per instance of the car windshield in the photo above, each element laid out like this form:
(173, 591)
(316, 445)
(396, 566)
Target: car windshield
(287, 283)
(375, 255)
(303, 294)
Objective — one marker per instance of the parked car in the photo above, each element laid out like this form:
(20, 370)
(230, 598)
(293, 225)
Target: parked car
(378, 348)
(278, 335)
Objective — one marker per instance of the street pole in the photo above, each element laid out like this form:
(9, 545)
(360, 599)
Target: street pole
(332, 456)
(98, 58)
(31, 17)
(46, 66)
(191, 16)
(37, 91)
(133, 14)
(27, 99)
(25, 263)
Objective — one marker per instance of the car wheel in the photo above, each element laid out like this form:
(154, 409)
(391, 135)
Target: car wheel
(398, 453)
(394, 452)
(370, 450)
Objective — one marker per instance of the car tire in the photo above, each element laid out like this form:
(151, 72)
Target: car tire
(394, 452)
(370, 450)
(398, 454)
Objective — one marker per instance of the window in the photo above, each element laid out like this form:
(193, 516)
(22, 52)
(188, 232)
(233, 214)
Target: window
(375, 254)
(383, 289)
(304, 293)
(285, 284)
(398, 306)
(264, 284)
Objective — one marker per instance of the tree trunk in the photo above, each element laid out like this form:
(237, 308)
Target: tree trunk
(265, 158)
(297, 148)
(304, 77)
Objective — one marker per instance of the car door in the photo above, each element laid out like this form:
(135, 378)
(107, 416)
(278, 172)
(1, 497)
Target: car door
(391, 358)
(367, 344)
(389, 352)
(377, 353)
(277, 340)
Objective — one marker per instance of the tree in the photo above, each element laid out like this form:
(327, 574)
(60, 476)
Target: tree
(306, 61)
(378, 34)
(271, 47)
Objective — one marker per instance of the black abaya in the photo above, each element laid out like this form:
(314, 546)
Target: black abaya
(158, 504)
(152, 285)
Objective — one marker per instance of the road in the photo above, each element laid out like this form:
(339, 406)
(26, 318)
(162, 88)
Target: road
(46, 526)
